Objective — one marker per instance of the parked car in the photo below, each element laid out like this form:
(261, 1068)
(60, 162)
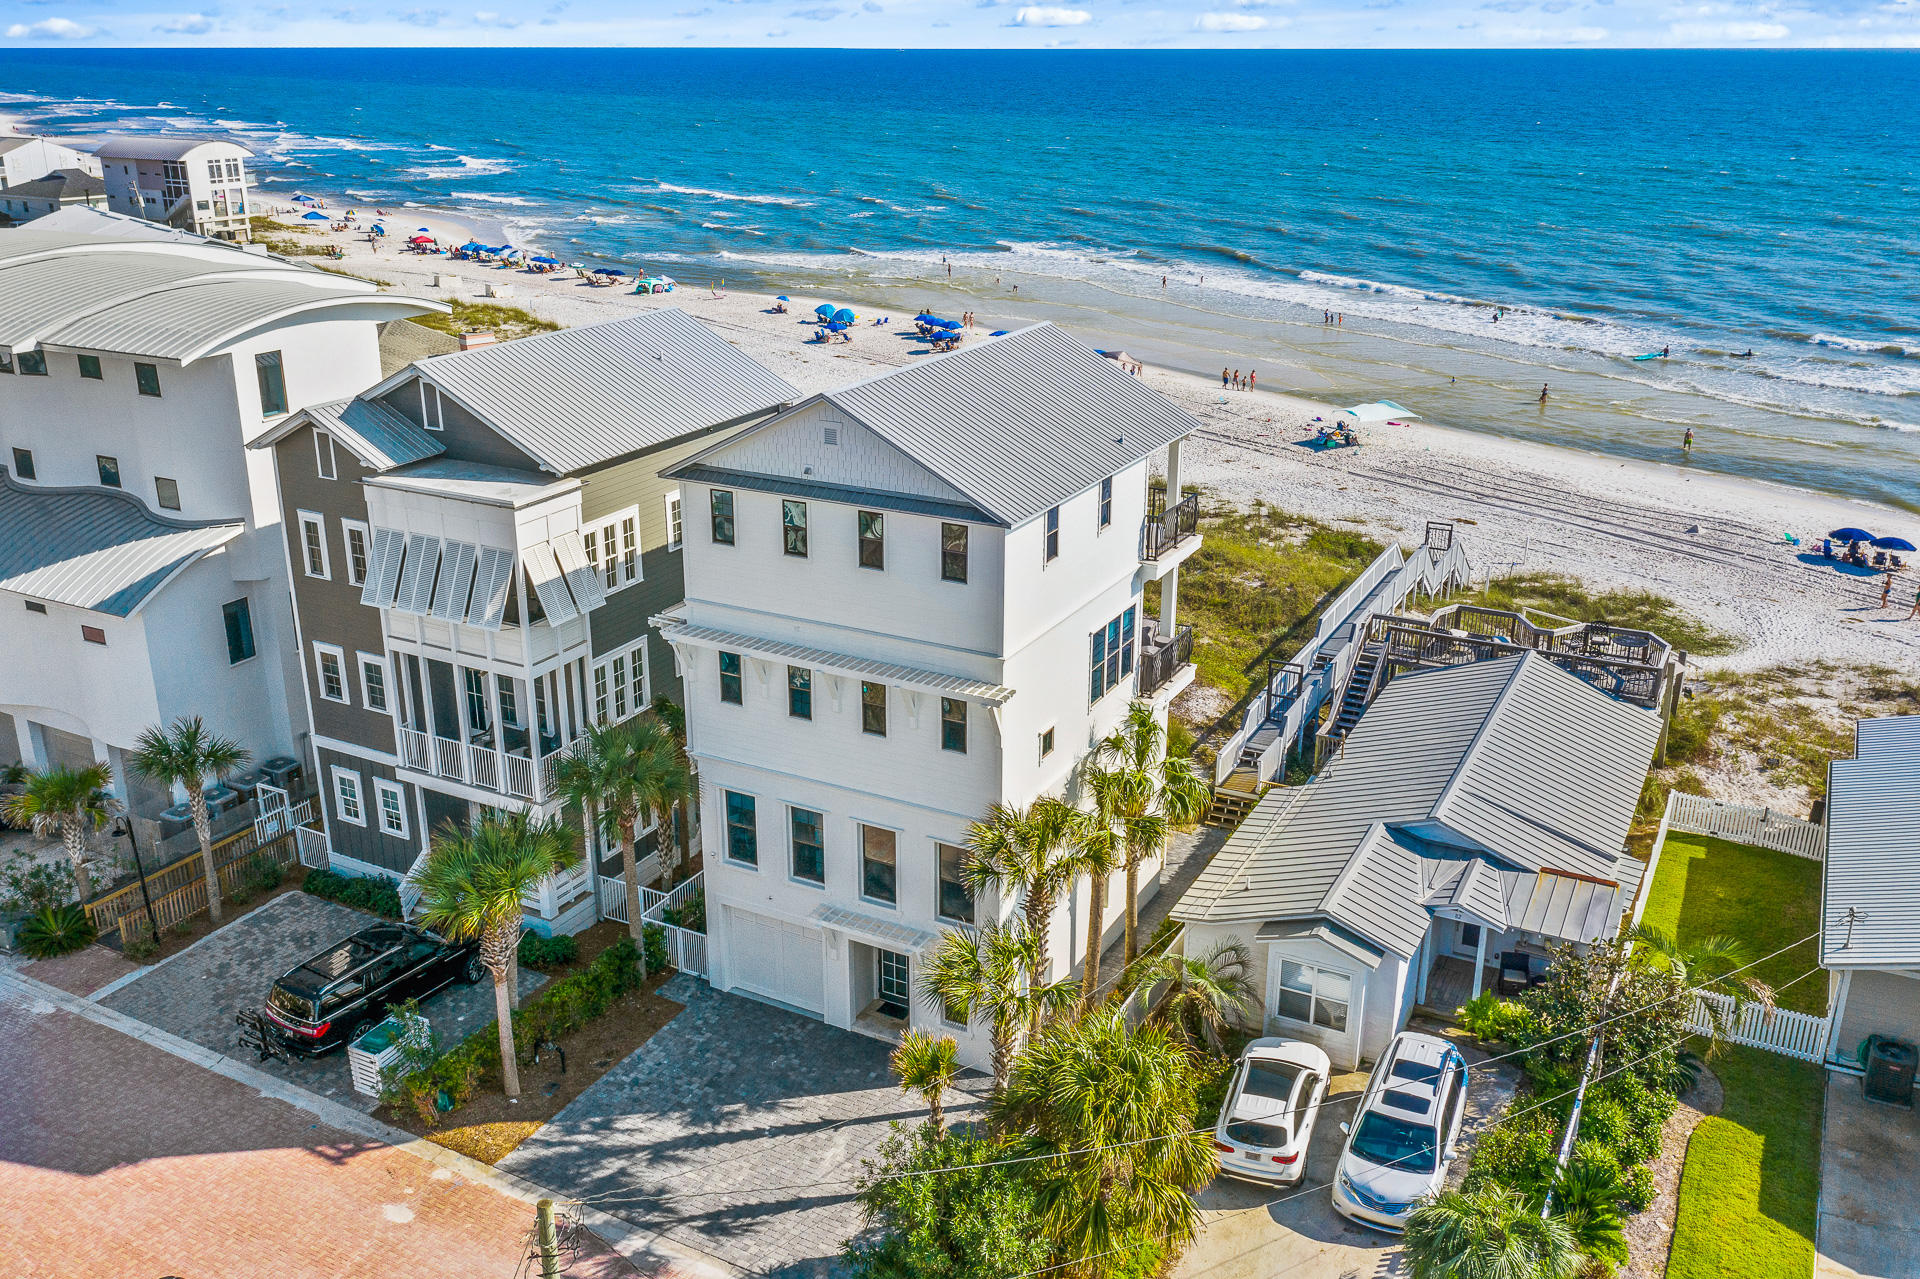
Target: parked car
(1402, 1138)
(1266, 1123)
(345, 990)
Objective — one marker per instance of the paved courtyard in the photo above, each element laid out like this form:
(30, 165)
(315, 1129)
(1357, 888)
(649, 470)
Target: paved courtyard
(1869, 1205)
(737, 1129)
(197, 993)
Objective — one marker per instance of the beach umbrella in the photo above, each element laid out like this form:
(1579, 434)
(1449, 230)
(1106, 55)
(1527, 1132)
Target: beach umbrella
(950, 325)
(925, 318)
(838, 326)
(1851, 535)
(1894, 544)
(314, 216)
(424, 230)
(544, 260)
(845, 315)
(824, 310)
(999, 333)
(783, 298)
(611, 270)
(1379, 411)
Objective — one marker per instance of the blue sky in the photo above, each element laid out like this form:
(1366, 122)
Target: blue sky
(1013, 24)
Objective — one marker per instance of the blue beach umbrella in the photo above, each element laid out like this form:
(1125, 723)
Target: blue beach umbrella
(925, 318)
(824, 310)
(420, 230)
(1851, 535)
(315, 216)
(611, 270)
(845, 315)
(949, 324)
(304, 199)
(1893, 544)
(999, 333)
(838, 326)
(783, 298)
(544, 260)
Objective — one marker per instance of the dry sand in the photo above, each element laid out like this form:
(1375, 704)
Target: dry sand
(1714, 543)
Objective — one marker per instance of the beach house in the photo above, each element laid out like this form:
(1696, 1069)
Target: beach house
(26, 159)
(476, 544)
(141, 575)
(1475, 815)
(196, 184)
(909, 600)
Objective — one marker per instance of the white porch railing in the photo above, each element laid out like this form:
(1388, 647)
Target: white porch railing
(410, 886)
(550, 894)
(449, 759)
(416, 751)
(1791, 1034)
(1744, 824)
(519, 779)
(483, 767)
(471, 763)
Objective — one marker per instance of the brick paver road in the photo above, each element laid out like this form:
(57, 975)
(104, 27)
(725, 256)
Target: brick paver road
(121, 1161)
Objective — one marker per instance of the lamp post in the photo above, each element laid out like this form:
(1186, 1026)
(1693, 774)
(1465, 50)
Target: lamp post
(141, 870)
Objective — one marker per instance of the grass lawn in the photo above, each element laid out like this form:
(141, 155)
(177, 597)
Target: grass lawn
(1749, 1194)
(1761, 898)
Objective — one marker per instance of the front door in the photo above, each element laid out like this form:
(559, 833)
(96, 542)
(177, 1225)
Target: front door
(1466, 939)
(891, 983)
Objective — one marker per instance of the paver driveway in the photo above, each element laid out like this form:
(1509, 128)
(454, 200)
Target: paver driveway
(197, 993)
(737, 1129)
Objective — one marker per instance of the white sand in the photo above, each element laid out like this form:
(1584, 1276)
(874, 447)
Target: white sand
(1714, 543)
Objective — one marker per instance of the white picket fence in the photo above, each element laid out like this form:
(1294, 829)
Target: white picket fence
(1745, 824)
(1790, 1034)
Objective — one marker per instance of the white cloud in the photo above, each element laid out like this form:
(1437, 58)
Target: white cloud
(1046, 15)
(51, 29)
(488, 18)
(1727, 32)
(1229, 22)
(186, 24)
(423, 17)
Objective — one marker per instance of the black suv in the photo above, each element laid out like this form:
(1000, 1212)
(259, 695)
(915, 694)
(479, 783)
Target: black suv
(345, 990)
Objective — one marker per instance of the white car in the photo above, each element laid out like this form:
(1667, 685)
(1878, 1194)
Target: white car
(1266, 1122)
(1403, 1135)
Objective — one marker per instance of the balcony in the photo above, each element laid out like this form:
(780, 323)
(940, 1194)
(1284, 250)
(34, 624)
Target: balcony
(1170, 530)
(476, 763)
(1165, 660)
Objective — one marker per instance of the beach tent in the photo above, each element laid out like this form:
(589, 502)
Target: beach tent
(418, 239)
(824, 310)
(1379, 411)
(845, 315)
(315, 216)
(304, 199)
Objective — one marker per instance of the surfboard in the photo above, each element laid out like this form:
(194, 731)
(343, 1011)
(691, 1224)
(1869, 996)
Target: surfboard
(1651, 355)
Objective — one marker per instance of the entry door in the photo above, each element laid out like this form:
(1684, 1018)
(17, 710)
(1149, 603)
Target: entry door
(777, 959)
(1466, 939)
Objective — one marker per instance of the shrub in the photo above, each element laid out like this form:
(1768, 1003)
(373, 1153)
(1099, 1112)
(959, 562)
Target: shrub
(656, 939)
(690, 914)
(576, 999)
(28, 885)
(373, 893)
(1492, 1018)
(1518, 1153)
(55, 930)
(264, 873)
(971, 1223)
(140, 948)
(541, 953)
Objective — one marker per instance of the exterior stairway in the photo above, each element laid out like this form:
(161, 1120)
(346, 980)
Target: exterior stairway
(1356, 695)
(1234, 798)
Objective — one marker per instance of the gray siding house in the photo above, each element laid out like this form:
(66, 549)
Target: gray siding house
(476, 545)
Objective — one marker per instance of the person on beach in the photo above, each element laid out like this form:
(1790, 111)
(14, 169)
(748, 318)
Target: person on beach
(1250, 377)
(1886, 589)
(1686, 445)
(1223, 379)
(1916, 607)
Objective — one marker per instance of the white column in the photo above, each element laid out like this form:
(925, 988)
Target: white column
(1169, 604)
(1173, 473)
(1424, 958)
(1479, 960)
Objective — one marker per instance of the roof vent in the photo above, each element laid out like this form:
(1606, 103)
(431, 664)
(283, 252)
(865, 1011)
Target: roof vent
(833, 435)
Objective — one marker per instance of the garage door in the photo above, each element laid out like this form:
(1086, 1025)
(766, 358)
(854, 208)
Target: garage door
(779, 960)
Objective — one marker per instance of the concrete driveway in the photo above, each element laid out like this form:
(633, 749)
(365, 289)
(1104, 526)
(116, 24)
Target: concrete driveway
(1869, 1200)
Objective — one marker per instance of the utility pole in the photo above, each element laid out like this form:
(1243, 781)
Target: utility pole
(549, 1244)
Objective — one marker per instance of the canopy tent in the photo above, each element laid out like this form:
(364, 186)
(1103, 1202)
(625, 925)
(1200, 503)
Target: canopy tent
(315, 216)
(1379, 411)
(304, 199)
(418, 239)
(1894, 544)
(1851, 535)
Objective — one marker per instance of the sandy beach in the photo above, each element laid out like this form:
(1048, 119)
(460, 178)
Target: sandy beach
(1715, 543)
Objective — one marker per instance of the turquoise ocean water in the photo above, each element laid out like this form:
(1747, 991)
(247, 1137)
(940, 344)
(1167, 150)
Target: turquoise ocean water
(1605, 205)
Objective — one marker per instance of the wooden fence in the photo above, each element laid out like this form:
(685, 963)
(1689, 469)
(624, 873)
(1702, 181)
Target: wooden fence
(1791, 1034)
(178, 890)
(1744, 824)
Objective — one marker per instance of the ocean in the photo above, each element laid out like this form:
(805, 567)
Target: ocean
(1485, 222)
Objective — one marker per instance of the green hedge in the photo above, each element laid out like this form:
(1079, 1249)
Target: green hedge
(541, 952)
(378, 895)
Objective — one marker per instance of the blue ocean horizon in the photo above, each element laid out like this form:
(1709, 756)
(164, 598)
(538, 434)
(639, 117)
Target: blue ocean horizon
(1602, 205)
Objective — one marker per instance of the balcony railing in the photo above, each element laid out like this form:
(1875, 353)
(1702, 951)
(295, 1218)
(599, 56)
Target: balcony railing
(473, 763)
(1168, 527)
(1162, 662)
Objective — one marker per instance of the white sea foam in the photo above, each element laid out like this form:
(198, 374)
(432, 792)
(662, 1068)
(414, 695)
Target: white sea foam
(1866, 346)
(487, 197)
(468, 166)
(787, 200)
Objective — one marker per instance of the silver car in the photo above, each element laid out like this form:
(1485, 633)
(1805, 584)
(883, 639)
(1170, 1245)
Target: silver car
(1266, 1122)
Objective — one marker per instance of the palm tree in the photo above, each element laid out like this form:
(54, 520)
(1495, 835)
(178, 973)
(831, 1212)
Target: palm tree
(1203, 991)
(1489, 1232)
(1029, 851)
(1154, 793)
(619, 771)
(185, 754)
(666, 783)
(68, 802)
(1587, 1195)
(1712, 964)
(1101, 844)
(1116, 1110)
(981, 974)
(470, 890)
(928, 1066)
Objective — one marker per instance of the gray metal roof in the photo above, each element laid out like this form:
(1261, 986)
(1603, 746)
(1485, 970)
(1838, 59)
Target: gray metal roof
(94, 548)
(186, 321)
(1899, 734)
(1873, 856)
(378, 436)
(60, 183)
(576, 398)
(159, 147)
(1512, 760)
(1018, 423)
(96, 222)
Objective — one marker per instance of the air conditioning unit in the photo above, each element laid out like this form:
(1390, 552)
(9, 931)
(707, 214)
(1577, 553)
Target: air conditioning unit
(1890, 1064)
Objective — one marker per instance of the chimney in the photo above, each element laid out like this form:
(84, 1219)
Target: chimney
(479, 337)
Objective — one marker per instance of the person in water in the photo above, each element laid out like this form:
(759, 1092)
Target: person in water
(1664, 352)
(1543, 392)
(1686, 445)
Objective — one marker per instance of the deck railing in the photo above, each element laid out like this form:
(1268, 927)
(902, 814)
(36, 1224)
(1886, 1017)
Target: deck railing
(1167, 527)
(1162, 663)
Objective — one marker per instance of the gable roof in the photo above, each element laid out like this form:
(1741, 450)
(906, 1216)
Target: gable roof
(576, 398)
(59, 184)
(1872, 866)
(1511, 761)
(1017, 424)
(381, 438)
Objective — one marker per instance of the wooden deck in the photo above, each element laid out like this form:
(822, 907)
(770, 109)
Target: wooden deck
(1450, 983)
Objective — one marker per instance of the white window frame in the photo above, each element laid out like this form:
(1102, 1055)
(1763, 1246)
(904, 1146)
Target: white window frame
(346, 785)
(614, 530)
(1275, 965)
(383, 788)
(318, 523)
(326, 463)
(676, 527)
(637, 689)
(320, 653)
(347, 529)
(381, 664)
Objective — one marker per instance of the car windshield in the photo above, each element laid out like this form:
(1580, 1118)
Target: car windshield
(1382, 1139)
(1251, 1132)
(285, 1002)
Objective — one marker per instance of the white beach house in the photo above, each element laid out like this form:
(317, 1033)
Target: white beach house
(196, 184)
(906, 601)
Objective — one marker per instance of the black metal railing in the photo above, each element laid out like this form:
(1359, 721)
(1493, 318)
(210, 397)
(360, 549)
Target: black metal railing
(1167, 528)
(1160, 663)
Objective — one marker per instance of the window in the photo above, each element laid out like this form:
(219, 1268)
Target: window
(313, 545)
(953, 552)
(891, 982)
(1106, 501)
(613, 548)
(392, 802)
(673, 522)
(35, 606)
(1316, 996)
(346, 797)
(509, 697)
(354, 534)
(1046, 743)
(272, 377)
(878, 872)
(373, 682)
(800, 692)
(720, 504)
(90, 367)
(955, 903)
(93, 635)
(173, 180)
(166, 492)
(1052, 551)
(6, 362)
(147, 378)
(332, 667)
(23, 463)
(1112, 655)
(323, 459)
(873, 708)
(238, 616)
(730, 690)
(474, 684)
(873, 541)
(743, 836)
(793, 523)
(953, 725)
(109, 468)
(809, 846)
(34, 363)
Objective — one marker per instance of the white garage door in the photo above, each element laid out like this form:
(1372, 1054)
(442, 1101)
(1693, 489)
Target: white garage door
(779, 960)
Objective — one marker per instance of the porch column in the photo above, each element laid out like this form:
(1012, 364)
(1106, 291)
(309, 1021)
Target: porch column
(499, 730)
(1170, 584)
(1479, 960)
(1424, 958)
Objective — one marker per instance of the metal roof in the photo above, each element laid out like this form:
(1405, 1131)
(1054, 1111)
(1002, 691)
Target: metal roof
(576, 398)
(187, 320)
(1872, 865)
(59, 183)
(94, 548)
(160, 147)
(381, 438)
(890, 933)
(1897, 734)
(1020, 423)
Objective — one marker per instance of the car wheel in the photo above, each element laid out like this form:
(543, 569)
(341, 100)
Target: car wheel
(474, 970)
